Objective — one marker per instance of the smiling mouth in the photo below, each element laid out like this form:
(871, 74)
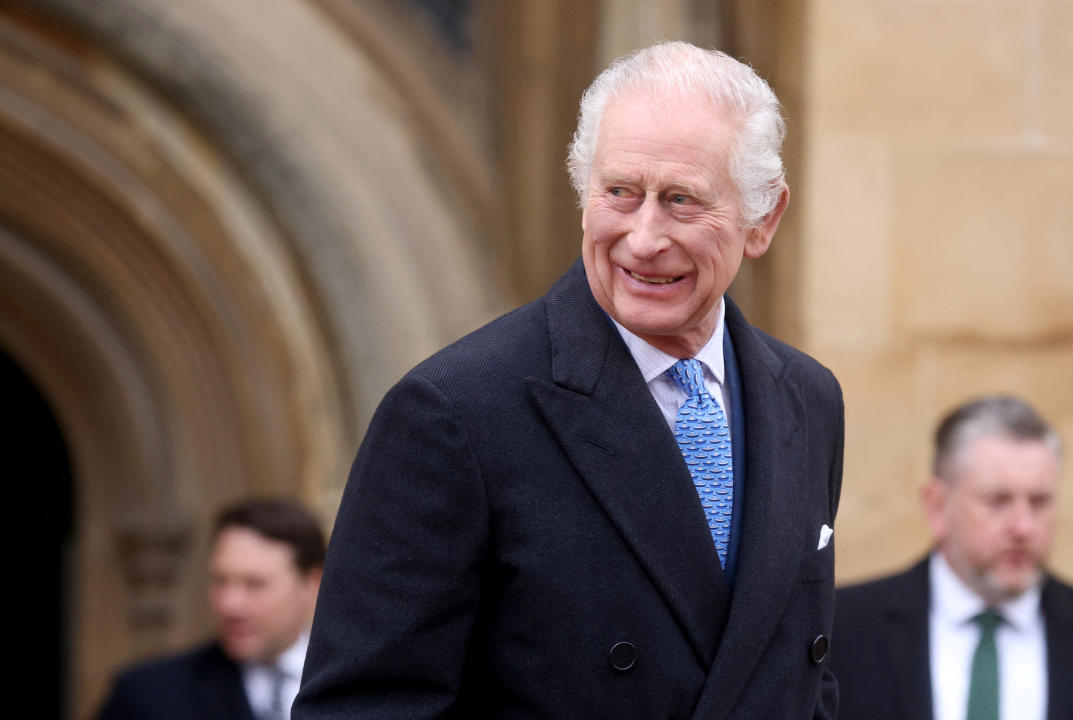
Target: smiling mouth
(654, 280)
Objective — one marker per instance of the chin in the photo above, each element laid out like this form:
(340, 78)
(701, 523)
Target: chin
(1009, 585)
(239, 652)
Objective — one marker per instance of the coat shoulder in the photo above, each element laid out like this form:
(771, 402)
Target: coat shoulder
(518, 337)
(779, 356)
(798, 361)
(1058, 598)
(165, 683)
(905, 590)
(164, 669)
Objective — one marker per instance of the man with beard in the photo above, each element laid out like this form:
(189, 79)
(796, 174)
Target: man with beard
(978, 630)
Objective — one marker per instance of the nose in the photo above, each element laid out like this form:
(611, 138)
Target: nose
(1022, 520)
(229, 599)
(648, 235)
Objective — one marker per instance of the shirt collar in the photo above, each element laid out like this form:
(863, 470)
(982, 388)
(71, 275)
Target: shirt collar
(956, 603)
(291, 660)
(1022, 611)
(653, 362)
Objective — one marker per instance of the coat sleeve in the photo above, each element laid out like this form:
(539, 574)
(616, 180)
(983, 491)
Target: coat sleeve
(402, 580)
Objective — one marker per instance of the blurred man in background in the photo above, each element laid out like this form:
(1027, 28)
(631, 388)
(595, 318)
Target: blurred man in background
(978, 630)
(265, 571)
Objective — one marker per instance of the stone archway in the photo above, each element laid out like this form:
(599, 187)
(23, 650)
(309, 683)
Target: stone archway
(220, 242)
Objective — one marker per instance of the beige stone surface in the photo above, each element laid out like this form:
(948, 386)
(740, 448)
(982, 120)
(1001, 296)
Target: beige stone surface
(894, 398)
(1056, 63)
(848, 263)
(985, 244)
(919, 69)
(879, 526)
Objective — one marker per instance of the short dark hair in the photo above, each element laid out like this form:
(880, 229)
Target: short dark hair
(281, 519)
(996, 416)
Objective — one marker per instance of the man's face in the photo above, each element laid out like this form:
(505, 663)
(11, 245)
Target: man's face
(662, 225)
(994, 519)
(260, 600)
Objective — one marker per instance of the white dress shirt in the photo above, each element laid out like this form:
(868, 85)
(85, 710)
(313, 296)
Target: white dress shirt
(1019, 640)
(653, 363)
(258, 678)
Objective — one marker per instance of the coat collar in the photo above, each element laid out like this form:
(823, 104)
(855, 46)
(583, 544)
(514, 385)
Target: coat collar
(605, 419)
(1056, 604)
(221, 694)
(905, 638)
(772, 541)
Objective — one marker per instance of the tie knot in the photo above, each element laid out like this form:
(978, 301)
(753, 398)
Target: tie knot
(689, 376)
(988, 620)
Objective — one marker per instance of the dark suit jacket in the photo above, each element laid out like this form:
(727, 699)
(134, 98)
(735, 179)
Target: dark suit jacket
(880, 654)
(203, 684)
(519, 507)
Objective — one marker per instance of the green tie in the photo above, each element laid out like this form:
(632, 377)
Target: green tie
(983, 685)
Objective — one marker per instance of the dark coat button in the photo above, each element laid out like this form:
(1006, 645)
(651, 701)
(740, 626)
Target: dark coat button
(818, 651)
(623, 655)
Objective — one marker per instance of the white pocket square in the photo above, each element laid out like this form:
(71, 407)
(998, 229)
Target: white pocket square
(825, 536)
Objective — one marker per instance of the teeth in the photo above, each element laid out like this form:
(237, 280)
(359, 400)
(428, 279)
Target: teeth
(656, 280)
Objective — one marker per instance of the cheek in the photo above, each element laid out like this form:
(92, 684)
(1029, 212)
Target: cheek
(1045, 530)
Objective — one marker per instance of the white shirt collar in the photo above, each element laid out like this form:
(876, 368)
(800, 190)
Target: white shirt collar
(262, 681)
(653, 362)
(293, 658)
(957, 603)
(290, 661)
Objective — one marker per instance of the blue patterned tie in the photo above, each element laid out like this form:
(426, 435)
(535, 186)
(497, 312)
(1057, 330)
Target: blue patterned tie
(704, 438)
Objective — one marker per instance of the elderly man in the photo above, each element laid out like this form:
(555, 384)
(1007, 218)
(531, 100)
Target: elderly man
(977, 630)
(265, 570)
(616, 501)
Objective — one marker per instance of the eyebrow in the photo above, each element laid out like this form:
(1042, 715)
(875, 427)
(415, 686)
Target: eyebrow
(674, 188)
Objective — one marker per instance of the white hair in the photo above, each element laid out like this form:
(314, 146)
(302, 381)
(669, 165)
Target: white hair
(754, 163)
(1000, 416)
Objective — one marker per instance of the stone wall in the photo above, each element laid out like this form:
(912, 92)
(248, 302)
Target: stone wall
(937, 237)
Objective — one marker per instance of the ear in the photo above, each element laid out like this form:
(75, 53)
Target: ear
(311, 581)
(758, 239)
(934, 498)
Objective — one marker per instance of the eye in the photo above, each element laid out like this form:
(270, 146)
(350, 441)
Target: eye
(679, 199)
(255, 584)
(1040, 502)
(997, 501)
(617, 191)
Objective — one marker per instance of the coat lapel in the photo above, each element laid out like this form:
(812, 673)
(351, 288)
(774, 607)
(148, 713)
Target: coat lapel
(771, 539)
(601, 413)
(222, 695)
(905, 635)
(1058, 619)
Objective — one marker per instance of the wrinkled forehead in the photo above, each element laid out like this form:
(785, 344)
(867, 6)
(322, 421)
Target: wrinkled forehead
(668, 120)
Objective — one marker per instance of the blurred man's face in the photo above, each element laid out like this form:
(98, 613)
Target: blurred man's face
(260, 600)
(994, 519)
(662, 224)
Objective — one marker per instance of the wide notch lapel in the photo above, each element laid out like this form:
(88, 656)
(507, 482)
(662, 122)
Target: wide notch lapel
(905, 635)
(603, 416)
(773, 537)
(1058, 621)
(222, 695)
